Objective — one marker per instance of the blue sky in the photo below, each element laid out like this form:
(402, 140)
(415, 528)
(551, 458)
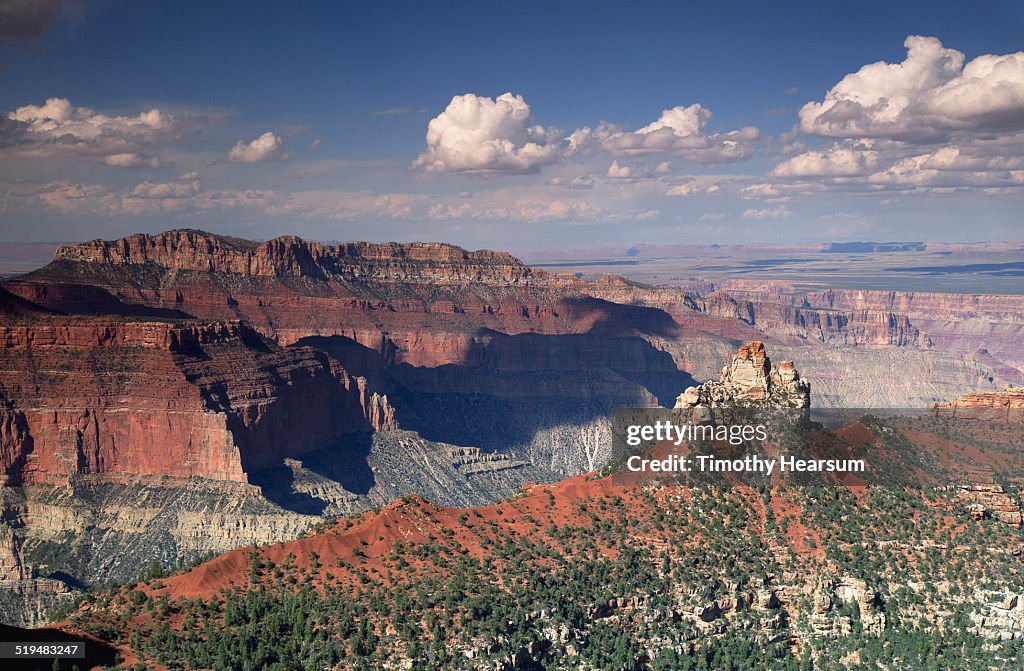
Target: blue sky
(648, 122)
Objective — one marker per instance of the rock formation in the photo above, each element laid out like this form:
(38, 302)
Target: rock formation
(145, 382)
(1006, 406)
(154, 398)
(28, 595)
(991, 500)
(1002, 616)
(979, 489)
(427, 304)
(290, 256)
(853, 348)
(750, 380)
(831, 593)
(777, 316)
(418, 303)
(988, 328)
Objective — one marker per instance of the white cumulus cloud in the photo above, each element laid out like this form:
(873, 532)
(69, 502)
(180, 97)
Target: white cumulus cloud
(949, 168)
(57, 127)
(681, 131)
(616, 171)
(835, 161)
(480, 135)
(267, 147)
(586, 138)
(930, 93)
(931, 122)
(477, 134)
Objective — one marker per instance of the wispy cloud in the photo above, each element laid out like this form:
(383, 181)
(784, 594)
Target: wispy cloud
(779, 212)
(391, 111)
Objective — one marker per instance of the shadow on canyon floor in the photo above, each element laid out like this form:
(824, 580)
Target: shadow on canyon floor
(345, 463)
(510, 387)
(81, 299)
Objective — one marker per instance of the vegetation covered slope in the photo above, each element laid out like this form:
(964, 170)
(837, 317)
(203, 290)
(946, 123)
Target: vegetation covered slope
(592, 574)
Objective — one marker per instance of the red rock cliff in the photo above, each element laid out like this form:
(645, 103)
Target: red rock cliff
(1005, 405)
(292, 256)
(419, 303)
(211, 400)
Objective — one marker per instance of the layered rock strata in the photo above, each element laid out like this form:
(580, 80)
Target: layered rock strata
(749, 380)
(988, 328)
(1007, 406)
(421, 303)
(212, 400)
(429, 304)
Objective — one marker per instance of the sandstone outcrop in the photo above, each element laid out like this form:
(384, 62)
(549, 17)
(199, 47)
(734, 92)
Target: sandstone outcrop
(984, 497)
(428, 304)
(440, 330)
(750, 380)
(212, 400)
(1005, 406)
(852, 348)
(1002, 616)
(832, 593)
(31, 595)
(292, 256)
(797, 323)
(991, 500)
(419, 303)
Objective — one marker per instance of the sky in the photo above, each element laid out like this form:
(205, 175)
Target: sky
(521, 126)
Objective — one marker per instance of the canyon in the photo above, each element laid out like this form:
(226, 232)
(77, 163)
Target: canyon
(186, 393)
(209, 400)
(553, 573)
(986, 328)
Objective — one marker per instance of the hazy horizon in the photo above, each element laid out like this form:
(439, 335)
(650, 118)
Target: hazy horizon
(539, 249)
